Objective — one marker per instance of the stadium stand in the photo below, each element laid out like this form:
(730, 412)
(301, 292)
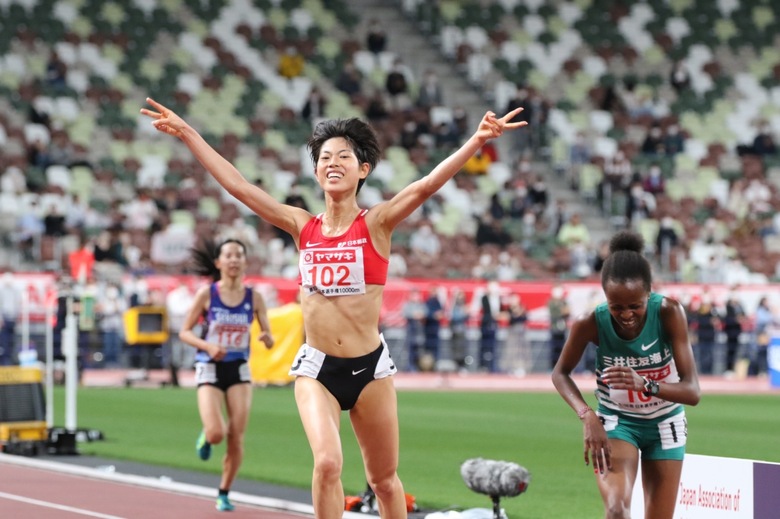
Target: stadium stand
(687, 87)
(611, 69)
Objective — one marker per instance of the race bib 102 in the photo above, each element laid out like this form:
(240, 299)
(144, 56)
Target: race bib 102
(333, 272)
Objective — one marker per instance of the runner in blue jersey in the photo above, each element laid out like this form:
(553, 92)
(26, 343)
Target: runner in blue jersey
(227, 309)
(645, 373)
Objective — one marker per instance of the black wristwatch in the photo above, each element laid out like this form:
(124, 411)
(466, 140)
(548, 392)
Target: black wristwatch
(651, 387)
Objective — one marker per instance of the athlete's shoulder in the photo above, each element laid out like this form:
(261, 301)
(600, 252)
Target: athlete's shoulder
(374, 215)
(204, 291)
(301, 217)
(256, 294)
(310, 220)
(586, 325)
(671, 305)
(586, 316)
(672, 314)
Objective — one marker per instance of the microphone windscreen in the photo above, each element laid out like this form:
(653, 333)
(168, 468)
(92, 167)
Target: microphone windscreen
(495, 478)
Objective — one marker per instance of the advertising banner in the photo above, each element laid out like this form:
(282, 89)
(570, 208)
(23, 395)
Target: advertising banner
(712, 487)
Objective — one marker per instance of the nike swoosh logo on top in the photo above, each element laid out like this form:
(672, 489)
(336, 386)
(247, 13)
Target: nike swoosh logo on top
(310, 244)
(358, 371)
(645, 348)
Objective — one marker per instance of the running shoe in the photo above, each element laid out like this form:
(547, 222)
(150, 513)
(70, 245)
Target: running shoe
(203, 447)
(224, 504)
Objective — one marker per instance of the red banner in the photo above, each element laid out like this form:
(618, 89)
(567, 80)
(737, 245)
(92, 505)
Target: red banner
(40, 291)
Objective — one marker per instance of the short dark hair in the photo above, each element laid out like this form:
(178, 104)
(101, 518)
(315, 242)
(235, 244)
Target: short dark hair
(204, 257)
(625, 261)
(359, 134)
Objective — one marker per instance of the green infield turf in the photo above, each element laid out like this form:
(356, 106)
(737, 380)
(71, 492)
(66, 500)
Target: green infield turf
(439, 430)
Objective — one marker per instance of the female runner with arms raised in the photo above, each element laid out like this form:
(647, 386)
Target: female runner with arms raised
(345, 363)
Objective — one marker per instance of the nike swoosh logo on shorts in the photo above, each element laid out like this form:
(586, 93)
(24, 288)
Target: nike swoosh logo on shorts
(358, 371)
(645, 348)
(310, 244)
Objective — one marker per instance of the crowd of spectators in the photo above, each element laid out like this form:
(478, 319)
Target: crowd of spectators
(135, 219)
(140, 216)
(729, 337)
(730, 220)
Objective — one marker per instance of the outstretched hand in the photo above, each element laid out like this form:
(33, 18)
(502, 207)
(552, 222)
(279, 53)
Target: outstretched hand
(490, 127)
(165, 120)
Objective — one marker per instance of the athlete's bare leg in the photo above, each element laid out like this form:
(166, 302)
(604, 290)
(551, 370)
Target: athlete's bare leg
(320, 414)
(375, 421)
(239, 403)
(660, 482)
(210, 402)
(617, 484)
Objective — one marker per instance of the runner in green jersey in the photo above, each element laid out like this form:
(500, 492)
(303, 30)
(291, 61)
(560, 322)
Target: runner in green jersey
(645, 371)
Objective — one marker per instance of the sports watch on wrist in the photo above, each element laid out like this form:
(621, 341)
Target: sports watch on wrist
(651, 387)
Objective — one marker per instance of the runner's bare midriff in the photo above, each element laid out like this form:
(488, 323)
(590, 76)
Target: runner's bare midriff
(343, 326)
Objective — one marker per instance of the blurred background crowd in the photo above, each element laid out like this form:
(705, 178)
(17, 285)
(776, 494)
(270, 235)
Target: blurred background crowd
(659, 116)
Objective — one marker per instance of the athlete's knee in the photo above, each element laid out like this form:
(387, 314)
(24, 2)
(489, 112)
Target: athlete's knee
(328, 466)
(386, 485)
(618, 509)
(214, 435)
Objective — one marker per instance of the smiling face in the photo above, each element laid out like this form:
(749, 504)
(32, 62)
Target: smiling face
(627, 304)
(231, 261)
(338, 168)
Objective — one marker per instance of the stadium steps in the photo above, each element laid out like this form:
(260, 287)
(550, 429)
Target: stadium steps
(418, 53)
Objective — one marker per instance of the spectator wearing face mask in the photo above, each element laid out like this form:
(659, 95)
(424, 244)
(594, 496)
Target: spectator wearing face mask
(764, 142)
(674, 140)
(653, 144)
(10, 303)
(579, 155)
(349, 80)
(491, 314)
(654, 182)
(574, 231)
(666, 241)
(425, 245)
(705, 323)
(110, 309)
(376, 37)
(397, 84)
(733, 322)
(641, 204)
(618, 172)
(558, 308)
(430, 93)
(680, 78)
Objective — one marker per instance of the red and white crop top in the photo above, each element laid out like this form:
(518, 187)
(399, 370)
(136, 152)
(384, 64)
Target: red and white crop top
(339, 265)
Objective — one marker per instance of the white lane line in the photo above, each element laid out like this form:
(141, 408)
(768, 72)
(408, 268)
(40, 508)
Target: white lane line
(167, 485)
(56, 506)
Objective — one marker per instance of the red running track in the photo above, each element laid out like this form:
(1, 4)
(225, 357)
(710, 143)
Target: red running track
(34, 489)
